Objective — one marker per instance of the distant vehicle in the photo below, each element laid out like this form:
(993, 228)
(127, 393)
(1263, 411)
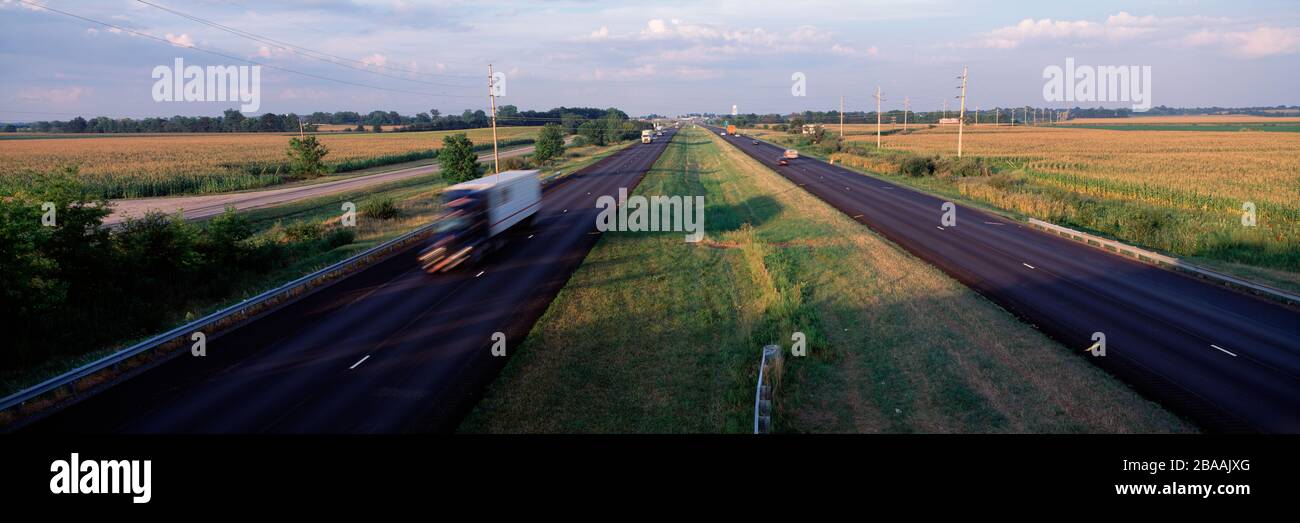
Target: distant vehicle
(647, 136)
(479, 212)
(659, 133)
(791, 154)
(755, 142)
(782, 161)
(723, 133)
(731, 129)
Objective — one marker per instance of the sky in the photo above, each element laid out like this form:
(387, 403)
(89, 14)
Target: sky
(644, 57)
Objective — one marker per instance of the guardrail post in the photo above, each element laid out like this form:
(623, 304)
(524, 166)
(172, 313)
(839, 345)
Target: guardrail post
(769, 370)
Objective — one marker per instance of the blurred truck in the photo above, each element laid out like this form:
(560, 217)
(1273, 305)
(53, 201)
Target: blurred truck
(477, 215)
(647, 136)
(791, 154)
(731, 129)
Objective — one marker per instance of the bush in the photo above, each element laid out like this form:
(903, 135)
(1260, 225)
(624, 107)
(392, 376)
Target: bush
(516, 163)
(963, 167)
(916, 166)
(380, 209)
(339, 236)
(304, 231)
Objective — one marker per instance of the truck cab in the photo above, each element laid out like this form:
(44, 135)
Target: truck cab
(477, 215)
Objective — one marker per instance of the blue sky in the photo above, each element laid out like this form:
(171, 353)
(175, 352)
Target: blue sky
(644, 57)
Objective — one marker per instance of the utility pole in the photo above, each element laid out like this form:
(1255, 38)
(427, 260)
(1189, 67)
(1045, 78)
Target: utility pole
(878, 99)
(841, 117)
(492, 103)
(300, 132)
(945, 107)
(977, 115)
(907, 102)
(961, 119)
(997, 116)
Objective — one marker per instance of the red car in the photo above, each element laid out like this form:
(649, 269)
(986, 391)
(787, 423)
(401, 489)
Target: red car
(782, 161)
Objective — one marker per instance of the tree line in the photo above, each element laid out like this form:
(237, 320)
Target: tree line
(232, 121)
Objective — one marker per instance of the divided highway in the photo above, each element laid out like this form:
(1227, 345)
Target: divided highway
(1230, 361)
(389, 349)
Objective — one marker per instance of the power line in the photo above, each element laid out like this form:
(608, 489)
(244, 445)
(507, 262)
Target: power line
(232, 57)
(305, 51)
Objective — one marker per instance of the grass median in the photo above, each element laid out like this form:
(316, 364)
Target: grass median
(653, 334)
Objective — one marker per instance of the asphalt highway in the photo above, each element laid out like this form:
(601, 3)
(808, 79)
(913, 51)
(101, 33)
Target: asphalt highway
(1225, 359)
(388, 349)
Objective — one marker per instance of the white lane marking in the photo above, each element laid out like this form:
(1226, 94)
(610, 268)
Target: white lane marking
(354, 365)
(480, 273)
(858, 216)
(1225, 351)
(530, 236)
(885, 187)
(992, 223)
(938, 227)
(566, 210)
(1027, 265)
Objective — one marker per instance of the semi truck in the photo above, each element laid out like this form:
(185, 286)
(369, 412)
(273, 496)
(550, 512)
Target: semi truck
(647, 136)
(731, 129)
(478, 214)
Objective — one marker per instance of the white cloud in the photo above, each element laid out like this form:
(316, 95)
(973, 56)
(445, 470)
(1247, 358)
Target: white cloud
(1235, 37)
(1254, 43)
(57, 96)
(183, 40)
(600, 34)
(375, 60)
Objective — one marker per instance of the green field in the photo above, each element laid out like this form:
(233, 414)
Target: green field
(656, 335)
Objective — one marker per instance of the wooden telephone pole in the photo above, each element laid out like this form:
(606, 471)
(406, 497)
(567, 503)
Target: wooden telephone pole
(841, 117)
(878, 99)
(961, 118)
(492, 104)
(907, 102)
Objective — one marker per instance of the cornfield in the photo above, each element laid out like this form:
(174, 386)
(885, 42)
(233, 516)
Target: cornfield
(128, 166)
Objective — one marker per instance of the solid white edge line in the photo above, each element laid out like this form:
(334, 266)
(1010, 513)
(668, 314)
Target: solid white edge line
(1225, 351)
(480, 273)
(1028, 265)
(354, 365)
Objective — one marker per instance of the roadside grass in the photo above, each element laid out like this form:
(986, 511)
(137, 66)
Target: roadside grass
(417, 203)
(656, 335)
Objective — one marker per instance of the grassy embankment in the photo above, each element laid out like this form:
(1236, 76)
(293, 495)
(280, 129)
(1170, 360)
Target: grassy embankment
(653, 334)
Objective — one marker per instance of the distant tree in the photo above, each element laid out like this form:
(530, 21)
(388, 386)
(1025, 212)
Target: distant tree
(571, 121)
(360, 128)
(592, 132)
(377, 128)
(232, 119)
(457, 158)
(10, 128)
(550, 143)
(76, 125)
(306, 157)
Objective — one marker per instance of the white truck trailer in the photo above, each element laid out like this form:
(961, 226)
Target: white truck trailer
(647, 136)
(478, 214)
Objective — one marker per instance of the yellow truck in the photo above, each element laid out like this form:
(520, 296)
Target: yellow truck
(731, 129)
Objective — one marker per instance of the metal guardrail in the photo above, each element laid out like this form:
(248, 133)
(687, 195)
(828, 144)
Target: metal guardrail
(72, 376)
(763, 393)
(1160, 259)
